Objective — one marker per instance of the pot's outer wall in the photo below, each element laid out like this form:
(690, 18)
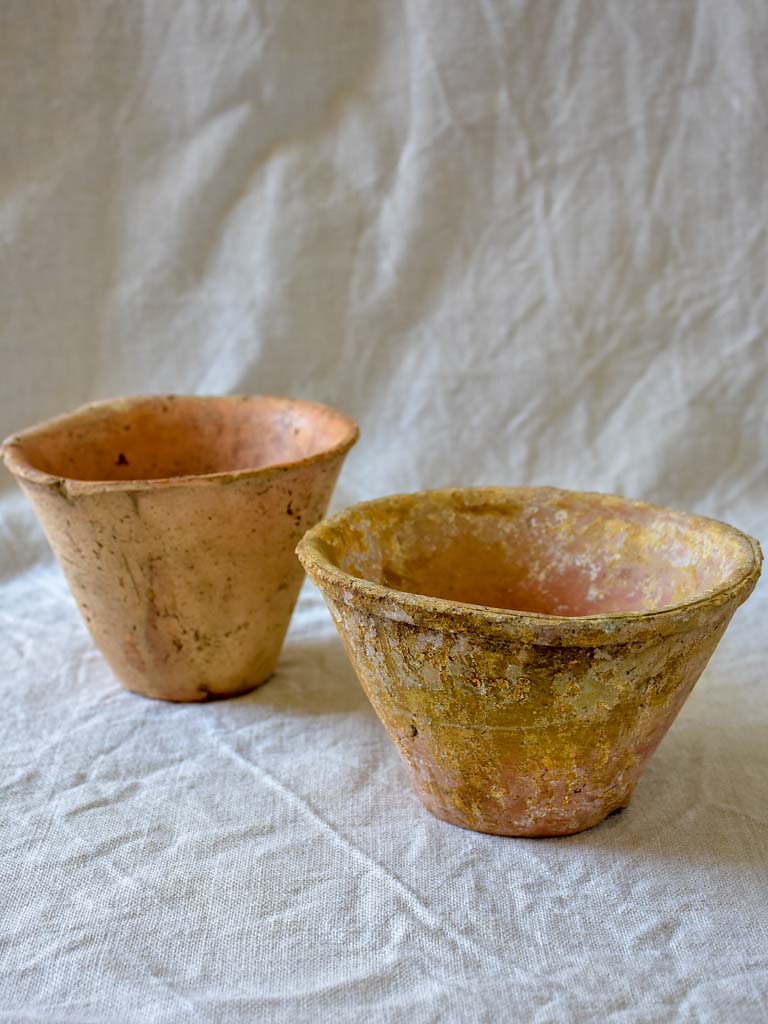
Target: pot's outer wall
(187, 590)
(522, 739)
(517, 722)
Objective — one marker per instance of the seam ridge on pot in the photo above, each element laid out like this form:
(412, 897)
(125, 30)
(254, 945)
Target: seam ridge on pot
(442, 723)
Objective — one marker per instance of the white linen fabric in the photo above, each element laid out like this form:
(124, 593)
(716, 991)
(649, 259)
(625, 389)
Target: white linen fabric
(521, 242)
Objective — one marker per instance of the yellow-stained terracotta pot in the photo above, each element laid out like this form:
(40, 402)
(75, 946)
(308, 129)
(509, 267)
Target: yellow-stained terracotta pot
(175, 521)
(527, 648)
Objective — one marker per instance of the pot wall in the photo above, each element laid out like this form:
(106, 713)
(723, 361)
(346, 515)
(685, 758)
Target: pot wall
(523, 739)
(187, 589)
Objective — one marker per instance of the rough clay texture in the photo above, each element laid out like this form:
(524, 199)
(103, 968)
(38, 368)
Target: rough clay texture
(521, 242)
(187, 583)
(526, 723)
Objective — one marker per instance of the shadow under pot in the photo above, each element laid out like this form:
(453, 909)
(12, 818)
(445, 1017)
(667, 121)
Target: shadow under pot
(175, 521)
(527, 648)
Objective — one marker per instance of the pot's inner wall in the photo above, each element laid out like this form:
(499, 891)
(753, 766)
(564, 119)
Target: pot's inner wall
(170, 437)
(558, 555)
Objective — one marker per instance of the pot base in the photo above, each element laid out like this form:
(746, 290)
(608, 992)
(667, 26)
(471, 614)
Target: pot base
(201, 695)
(535, 831)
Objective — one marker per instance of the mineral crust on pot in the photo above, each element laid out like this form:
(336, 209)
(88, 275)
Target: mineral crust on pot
(527, 648)
(175, 521)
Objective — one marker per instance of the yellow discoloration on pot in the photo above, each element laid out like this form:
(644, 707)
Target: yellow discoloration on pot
(175, 521)
(527, 649)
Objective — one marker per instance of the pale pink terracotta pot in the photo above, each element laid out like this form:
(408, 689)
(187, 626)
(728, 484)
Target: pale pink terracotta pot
(527, 648)
(175, 521)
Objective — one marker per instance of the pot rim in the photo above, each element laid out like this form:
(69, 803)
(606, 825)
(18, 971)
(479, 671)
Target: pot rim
(11, 450)
(530, 627)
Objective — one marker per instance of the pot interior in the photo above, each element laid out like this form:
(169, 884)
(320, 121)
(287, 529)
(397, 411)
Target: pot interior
(536, 550)
(160, 438)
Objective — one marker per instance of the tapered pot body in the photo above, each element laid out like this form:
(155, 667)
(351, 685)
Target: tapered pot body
(175, 521)
(512, 719)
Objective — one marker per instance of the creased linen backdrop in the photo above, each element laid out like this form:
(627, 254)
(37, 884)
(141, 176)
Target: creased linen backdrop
(521, 242)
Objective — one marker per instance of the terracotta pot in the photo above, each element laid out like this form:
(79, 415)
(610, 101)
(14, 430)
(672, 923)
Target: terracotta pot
(527, 648)
(175, 521)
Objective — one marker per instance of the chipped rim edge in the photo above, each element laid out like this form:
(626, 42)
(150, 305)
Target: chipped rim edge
(528, 627)
(11, 450)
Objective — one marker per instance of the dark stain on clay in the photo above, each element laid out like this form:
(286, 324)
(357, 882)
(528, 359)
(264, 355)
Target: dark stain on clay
(132, 578)
(60, 487)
